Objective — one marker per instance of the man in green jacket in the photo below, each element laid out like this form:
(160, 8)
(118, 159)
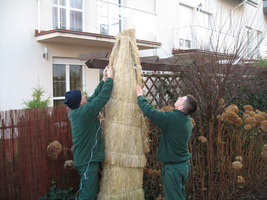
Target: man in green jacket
(88, 148)
(176, 127)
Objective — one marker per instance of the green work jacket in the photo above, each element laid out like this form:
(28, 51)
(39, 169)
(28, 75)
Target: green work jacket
(176, 129)
(86, 127)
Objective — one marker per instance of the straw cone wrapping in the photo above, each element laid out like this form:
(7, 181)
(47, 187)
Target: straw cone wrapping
(124, 130)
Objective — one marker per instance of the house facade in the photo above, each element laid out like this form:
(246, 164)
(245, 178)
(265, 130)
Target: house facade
(41, 41)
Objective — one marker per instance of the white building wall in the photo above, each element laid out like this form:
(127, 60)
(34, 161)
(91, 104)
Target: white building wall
(226, 18)
(22, 65)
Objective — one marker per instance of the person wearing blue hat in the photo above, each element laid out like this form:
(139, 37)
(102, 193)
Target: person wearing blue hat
(88, 147)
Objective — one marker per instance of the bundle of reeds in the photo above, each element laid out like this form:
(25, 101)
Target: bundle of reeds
(124, 131)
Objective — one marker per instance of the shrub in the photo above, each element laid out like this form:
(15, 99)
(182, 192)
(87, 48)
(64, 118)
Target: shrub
(36, 102)
(58, 194)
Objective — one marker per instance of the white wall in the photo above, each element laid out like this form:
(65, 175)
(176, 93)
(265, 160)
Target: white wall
(22, 66)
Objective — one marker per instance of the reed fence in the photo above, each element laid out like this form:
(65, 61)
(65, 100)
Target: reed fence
(25, 170)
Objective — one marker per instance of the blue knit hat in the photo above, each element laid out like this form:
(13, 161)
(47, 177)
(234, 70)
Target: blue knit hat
(73, 98)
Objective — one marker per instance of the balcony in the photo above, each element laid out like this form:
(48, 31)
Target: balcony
(63, 36)
(202, 38)
(65, 24)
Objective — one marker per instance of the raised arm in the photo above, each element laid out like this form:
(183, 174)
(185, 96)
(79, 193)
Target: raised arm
(157, 117)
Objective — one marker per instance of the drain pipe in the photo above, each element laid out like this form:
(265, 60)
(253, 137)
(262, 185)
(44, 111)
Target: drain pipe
(39, 16)
(232, 11)
(238, 5)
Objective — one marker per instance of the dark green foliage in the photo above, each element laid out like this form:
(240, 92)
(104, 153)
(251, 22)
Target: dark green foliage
(58, 194)
(257, 100)
(261, 63)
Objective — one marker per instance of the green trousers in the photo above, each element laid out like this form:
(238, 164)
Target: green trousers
(88, 183)
(175, 177)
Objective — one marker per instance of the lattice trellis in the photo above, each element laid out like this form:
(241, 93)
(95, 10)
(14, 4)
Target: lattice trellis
(161, 89)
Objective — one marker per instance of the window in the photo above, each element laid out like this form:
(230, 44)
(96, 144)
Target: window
(111, 17)
(185, 31)
(186, 44)
(68, 14)
(249, 42)
(66, 76)
(259, 40)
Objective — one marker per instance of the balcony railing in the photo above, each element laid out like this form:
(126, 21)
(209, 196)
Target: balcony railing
(112, 17)
(198, 37)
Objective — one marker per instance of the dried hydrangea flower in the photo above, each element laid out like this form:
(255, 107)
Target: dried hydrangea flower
(69, 164)
(251, 113)
(232, 108)
(259, 118)
(71, 149)
(193, 122)
(247, 127)
(231, 117)
(264, 125)
(251, 121)
(239, 158)
(263, 114)
(240, 179)
(221, 102)
(237, 165)
(219, 117)
(167, 108)
(248, 108)
(202, 139)
(54, 149)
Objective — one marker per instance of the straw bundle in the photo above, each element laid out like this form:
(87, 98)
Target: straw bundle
(124, 130)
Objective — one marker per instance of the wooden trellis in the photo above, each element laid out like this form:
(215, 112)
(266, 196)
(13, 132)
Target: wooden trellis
(161, 76)
(161, 89)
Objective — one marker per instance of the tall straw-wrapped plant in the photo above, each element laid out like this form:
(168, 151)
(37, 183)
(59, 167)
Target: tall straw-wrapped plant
(124, 127)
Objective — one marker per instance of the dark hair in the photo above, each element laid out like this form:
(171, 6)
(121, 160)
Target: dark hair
(190, 105)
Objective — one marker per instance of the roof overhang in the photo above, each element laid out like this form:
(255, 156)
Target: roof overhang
(186, 55)
(63, 36)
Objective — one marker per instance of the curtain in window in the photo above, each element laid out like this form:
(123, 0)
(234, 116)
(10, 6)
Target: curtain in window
(68, 14)
(75, 77)
(75, 20)
(59, 80)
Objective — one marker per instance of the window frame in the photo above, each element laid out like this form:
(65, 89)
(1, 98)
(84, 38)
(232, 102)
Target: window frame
(68, 13)
(109, 17)
(67, 62)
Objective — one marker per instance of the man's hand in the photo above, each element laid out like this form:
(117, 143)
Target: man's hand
(105, 74)
(110, 72)
(139, 91)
